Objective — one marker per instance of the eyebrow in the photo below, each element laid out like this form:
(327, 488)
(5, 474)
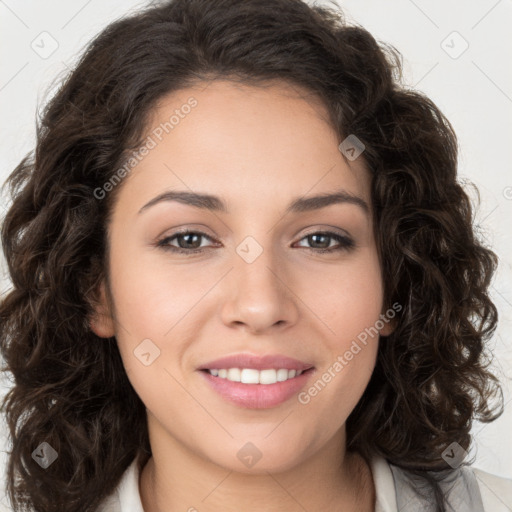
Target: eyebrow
(298, 205)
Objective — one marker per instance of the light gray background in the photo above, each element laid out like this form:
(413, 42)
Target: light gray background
(474, 90)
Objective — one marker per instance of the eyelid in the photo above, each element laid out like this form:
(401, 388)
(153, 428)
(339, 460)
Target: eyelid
(328, 229)
(200, 230)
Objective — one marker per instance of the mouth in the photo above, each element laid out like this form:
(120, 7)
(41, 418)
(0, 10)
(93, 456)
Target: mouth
(256, 382)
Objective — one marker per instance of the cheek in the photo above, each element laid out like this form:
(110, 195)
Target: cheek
(156, 310)
(150, 299)
(351, 346)
(351, 299)
(351, 310)
(361, 308)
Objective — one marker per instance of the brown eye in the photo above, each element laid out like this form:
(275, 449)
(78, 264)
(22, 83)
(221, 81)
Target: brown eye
(188, 241)
(320, 242)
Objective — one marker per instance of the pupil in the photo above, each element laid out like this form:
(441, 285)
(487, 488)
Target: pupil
(317, 236)
(190, 235)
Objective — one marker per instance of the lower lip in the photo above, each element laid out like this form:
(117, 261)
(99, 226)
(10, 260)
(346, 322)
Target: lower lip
(257, 396)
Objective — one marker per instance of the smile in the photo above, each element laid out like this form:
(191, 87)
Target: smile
(249, 388)
(252, 376)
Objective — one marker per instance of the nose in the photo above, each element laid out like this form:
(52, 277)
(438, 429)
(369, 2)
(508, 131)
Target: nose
(258, 295)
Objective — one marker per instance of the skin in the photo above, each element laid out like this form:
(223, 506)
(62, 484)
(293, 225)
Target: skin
(258, 149)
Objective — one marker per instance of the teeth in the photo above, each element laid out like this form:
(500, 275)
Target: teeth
(282, 374)
(251, 376)
(268, 376)
(234, 374)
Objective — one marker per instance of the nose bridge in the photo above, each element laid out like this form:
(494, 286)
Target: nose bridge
(255, 264)
(258, 295)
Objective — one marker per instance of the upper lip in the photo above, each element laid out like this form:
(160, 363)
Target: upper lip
(270, 361)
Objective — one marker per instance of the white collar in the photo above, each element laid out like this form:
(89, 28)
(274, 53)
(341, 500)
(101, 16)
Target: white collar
(130, 501)
(385, 495)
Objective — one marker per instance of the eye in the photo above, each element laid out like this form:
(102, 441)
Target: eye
(189, 242)
(344, 242)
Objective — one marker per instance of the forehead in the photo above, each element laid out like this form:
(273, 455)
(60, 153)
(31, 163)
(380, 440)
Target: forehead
(245, 142)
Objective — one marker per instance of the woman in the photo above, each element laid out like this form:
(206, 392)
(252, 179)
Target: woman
(245, 277)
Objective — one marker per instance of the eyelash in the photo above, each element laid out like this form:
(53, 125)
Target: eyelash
(346, 244)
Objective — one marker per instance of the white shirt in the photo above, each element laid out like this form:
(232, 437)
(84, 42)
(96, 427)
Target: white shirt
(496, 491)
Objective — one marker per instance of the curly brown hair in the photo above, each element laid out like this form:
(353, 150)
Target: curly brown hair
(70, 387)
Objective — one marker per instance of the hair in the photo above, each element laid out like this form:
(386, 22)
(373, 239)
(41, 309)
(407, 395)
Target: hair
(70, 387)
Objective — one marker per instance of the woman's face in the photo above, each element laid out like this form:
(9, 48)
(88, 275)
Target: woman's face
(261, 288)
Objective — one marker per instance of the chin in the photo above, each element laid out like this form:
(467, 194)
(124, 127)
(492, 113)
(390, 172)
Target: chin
(260, 457)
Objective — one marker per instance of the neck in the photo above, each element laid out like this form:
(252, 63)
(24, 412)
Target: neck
(177, 479)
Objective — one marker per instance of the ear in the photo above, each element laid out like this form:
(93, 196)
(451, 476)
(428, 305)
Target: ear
(387, 329)
(389, 324)
(102, 322)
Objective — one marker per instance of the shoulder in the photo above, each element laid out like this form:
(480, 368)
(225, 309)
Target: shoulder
(466, 488)
(110, 504)
(496, 491)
